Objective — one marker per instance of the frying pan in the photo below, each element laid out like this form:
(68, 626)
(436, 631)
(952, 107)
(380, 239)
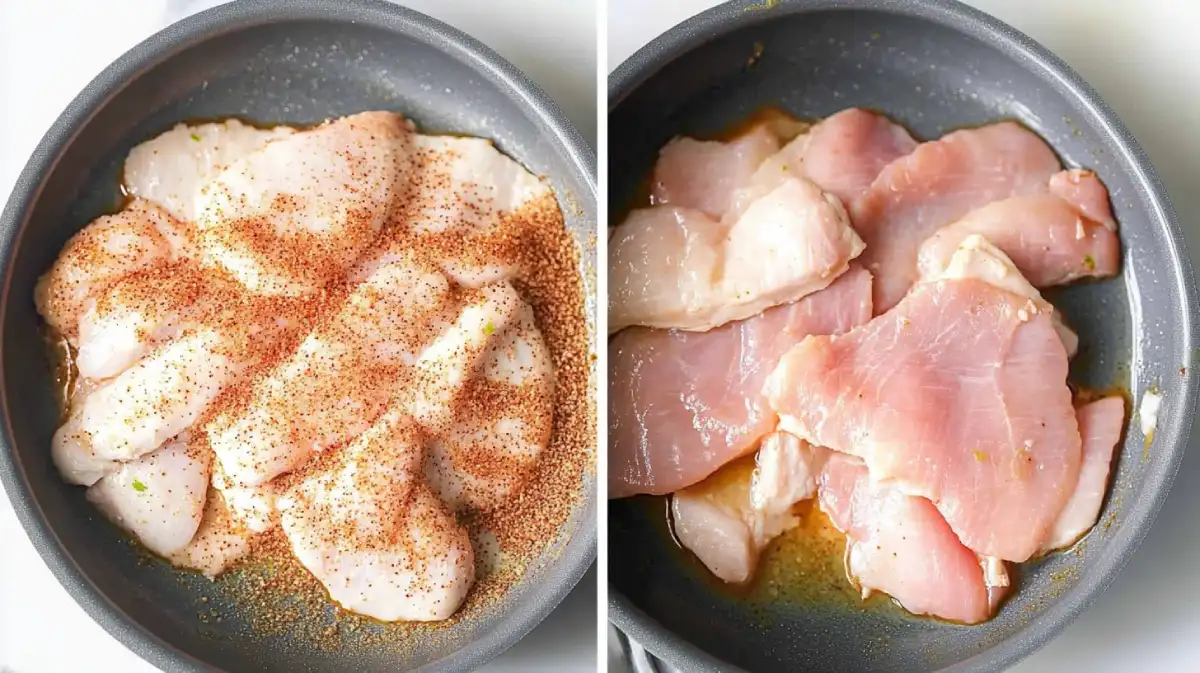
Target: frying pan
(277, 61)
(935, 66)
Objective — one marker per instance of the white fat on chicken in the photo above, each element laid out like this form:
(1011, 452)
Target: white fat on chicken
(338, 380)
(678, 268)
(158, 497)
(503, 425)
(446, 364)
(375, 535)
(729, 518)
(219, 542)
(977, 258)
(170, 168)
(291, 216)
(106, 250)
(466, 189)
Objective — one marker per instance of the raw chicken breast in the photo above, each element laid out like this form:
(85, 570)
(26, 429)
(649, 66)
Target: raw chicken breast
(219, 543)
(288, 218)
(939, 183)
(1086, 193)
(729, 518)
(1100, 425)
(110, 248)
(170, 168)
(138, 312)
(375, 535)
(445, 366)
(703, 174)
(682, 404)
(249, 507)
(158, 497)
(156, 399)
(842, 154)
(901, 545)
(959, 395)
(502, 425)
(339, 379)
(1048, 239)
(468, 197)
(674, 268)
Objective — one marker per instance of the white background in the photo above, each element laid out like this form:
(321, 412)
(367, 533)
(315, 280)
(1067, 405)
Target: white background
(50, 49)
(1144, 58)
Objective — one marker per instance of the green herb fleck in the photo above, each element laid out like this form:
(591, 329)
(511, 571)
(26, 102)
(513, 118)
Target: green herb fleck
(979, 455)
(766, 4)
(489, 328)
(195, 137)
(1089, 263)
(875, 36)
(139, 486)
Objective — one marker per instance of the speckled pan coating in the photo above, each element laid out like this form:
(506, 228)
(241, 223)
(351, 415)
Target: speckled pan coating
(934, 65)
(269, 61)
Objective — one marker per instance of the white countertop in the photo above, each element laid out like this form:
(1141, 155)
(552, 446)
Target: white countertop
(1144, 59)
(50, 49)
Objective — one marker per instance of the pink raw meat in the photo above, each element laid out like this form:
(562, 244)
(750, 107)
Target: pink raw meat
(703, 174)
(901, 545)
(847, 150)
(958, 394)
(936, 184)
(1050, 239)
(1100, 425)
(682, 404)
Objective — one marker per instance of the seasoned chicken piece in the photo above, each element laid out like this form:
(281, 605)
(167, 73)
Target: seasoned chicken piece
(729, 518)
(1100, 426)
(171, 168)
(682, 404)
(1084, 190)
(704, 175)
(72, 454)
(901, 545)
(110, 248)
(468, 202)
(375, 535)
(937, 184)
(842, 154)
(502, 424)
(957, 394)
(158, 497)
(676, 268)
(137, 313)
(295, 214)
(249, 507)
(445, 365)
(339, 379)
(1050, 240)
(219, 543)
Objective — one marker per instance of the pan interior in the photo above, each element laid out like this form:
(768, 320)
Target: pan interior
(301, 72)
(933, 79)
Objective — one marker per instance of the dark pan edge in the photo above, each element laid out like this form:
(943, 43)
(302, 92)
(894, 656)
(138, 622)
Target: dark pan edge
(578, 555)
(734, 15)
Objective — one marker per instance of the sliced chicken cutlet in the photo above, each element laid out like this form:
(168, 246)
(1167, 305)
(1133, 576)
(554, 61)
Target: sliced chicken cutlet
(937, 184)
(728, 519)
(467, 206)
(842, 154)
(502, 424)
(171, 168)
(678, 268)
(158, 497)
(957, 394)
(1050, 239)
(374, 534)
(110, 248)
(295, 214)
(900, 544)
(1100, 425)
(339, 379)
(704, 174)
(682, 404)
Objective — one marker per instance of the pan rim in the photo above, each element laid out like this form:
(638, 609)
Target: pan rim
(578, 554)
(731, 16)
